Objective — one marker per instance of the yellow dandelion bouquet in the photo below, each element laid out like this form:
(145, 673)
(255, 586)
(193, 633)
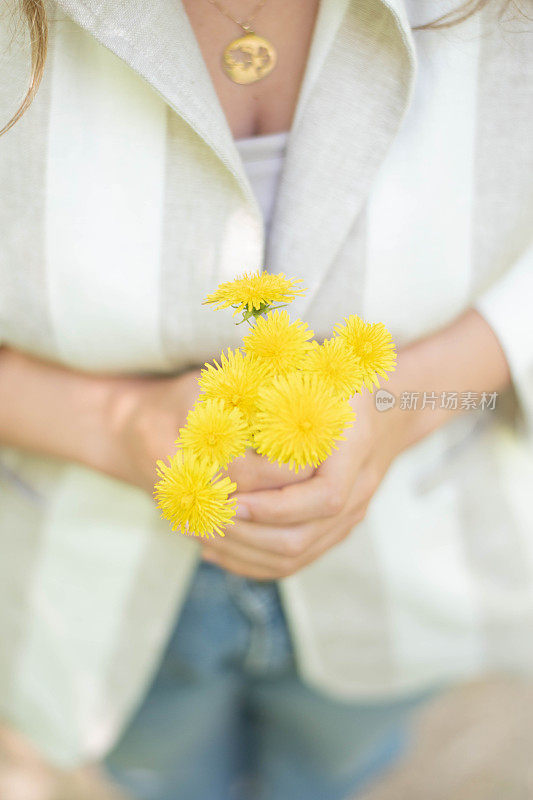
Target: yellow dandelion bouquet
(283, 394)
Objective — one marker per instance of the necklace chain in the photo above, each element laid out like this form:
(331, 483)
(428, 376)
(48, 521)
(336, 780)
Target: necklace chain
(245, 24)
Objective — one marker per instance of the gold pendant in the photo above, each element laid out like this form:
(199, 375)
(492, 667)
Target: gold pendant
(248, 59)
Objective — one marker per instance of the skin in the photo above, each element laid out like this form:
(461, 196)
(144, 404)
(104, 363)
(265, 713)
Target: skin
(284, 529)
(281, 531)
(268, 105)
(122, 425)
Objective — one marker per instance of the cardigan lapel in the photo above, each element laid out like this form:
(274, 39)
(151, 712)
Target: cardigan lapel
(346, 119)
(356, 88)
(156, 39)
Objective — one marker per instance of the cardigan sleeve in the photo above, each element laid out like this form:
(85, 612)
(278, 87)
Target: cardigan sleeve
(507, 306)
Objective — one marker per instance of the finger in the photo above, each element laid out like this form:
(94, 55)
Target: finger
(273, 540)
(332, 537)
(230, 557)
(231, 548)
(316, 498)
(280, 552)
(323, 495)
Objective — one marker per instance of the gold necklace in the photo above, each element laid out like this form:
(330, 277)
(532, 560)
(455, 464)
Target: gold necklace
(250, 57)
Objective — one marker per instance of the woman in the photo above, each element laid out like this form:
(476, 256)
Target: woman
(384, 161)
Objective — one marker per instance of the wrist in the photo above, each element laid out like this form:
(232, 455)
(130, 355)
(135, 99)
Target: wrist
(139, 420)
(120, 411)
(99, 399)
(415, 378)
(462, 358)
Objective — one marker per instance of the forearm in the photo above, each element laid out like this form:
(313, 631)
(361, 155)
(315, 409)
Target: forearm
(52, 410)
(116, 425)
(465, 356)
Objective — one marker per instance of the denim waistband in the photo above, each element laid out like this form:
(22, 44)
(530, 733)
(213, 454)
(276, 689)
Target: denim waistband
(247, 623)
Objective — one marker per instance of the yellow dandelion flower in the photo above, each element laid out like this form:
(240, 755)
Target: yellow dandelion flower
(236, 380)
(278, 343)
(214, 432)
(192, 497)
(336, 365)
(372, 344)
(299, 418)
(254, 291)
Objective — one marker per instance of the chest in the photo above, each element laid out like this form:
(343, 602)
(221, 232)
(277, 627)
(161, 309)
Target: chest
(267, 105)
(120, 218)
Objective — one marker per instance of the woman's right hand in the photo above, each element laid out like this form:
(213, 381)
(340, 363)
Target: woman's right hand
(118, 425)
(143, 419)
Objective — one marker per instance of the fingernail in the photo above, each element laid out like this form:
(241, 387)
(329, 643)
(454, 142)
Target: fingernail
(243, 512)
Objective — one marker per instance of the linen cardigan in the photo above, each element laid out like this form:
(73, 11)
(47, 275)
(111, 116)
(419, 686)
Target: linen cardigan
(405, 198)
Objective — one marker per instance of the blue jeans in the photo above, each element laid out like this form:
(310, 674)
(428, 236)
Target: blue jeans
(227, 717)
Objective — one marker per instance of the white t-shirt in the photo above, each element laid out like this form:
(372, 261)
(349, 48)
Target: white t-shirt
(263, 158)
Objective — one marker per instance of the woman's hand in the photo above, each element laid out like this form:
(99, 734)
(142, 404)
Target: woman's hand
(278, 532)
(143, 419)
(118, 425)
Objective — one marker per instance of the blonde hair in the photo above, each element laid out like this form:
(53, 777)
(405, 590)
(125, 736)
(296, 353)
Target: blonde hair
(34, 11)
(36, 17)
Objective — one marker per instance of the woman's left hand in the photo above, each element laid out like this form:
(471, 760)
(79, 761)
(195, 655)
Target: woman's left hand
(277, 532)
(280, 531)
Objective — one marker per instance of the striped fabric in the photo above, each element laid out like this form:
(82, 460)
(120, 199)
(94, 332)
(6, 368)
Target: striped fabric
(405, 197)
